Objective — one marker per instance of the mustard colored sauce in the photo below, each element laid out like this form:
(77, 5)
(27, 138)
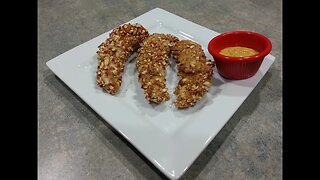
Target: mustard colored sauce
(238, 51)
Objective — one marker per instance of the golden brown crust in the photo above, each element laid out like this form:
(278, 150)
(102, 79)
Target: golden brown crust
(195, 72)
(114, 52)
(153, 57)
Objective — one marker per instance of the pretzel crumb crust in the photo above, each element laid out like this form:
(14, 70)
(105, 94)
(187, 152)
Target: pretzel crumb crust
(153, 57)
(195, 72)
(123, 41)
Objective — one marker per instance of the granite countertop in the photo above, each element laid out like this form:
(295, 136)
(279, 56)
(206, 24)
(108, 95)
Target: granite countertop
(75, 143)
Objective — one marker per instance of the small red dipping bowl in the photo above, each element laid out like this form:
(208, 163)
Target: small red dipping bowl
(239, 67)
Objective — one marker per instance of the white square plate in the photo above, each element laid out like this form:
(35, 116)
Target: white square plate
(171, 139)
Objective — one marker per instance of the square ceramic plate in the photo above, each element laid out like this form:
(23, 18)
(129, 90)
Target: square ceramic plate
(171, 139)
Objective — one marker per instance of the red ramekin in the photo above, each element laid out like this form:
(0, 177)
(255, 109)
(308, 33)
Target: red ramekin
(239, 67)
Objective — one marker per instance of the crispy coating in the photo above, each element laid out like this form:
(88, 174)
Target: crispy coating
(114, 52)
(195, 72)
(153, 57)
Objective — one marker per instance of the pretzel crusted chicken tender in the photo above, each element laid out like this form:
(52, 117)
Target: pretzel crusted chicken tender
(195, 72)
(114, 52)
(153, 57)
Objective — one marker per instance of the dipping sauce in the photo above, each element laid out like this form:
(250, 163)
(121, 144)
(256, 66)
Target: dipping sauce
(238, 51)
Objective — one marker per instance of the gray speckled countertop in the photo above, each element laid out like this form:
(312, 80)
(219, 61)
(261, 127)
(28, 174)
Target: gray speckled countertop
(75, 143)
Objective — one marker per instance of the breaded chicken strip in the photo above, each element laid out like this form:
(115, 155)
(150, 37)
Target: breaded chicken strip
(153, 57)
(114, 52)
(195, 72)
